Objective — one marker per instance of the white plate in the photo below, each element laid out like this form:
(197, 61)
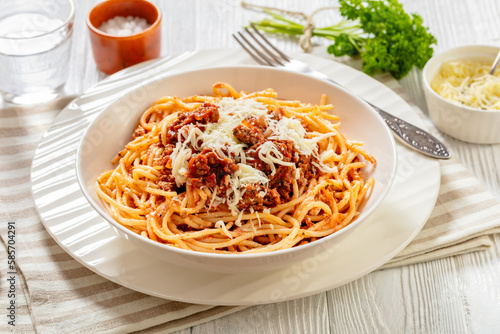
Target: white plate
(110, 131)
(80, 231)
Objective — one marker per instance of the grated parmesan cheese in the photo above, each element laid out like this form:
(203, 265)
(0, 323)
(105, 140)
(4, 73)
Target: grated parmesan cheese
(468, 83)
(220, 138)
(269, 153)
(220, 224)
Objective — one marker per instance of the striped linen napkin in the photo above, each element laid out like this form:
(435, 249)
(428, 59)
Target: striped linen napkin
(465, 216)
(51, 287)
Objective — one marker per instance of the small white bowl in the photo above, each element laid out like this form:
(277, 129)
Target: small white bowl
(112, 129)
(461, 122)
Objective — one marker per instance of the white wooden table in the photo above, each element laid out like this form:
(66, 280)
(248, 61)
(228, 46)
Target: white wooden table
(453, 295)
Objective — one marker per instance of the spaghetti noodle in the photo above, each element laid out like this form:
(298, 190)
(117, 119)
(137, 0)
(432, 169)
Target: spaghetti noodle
(236, 172)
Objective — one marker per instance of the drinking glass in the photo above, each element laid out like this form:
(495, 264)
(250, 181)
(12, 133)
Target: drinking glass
(35, 45)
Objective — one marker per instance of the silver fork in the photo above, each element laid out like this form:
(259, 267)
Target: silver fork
(265, 53)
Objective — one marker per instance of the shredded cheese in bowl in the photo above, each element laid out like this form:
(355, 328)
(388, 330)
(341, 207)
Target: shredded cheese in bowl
(468, 82)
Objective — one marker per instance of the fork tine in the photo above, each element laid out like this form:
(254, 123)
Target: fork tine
(284, 56)
(250, 52)
(263, 47)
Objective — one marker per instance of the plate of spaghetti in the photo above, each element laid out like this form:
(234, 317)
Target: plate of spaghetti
(236, 169)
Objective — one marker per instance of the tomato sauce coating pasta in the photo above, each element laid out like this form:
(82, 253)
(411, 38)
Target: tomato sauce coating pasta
(236, 172)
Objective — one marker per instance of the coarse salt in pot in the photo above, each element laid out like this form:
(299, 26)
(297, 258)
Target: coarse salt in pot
(124, 33)
(124, 26)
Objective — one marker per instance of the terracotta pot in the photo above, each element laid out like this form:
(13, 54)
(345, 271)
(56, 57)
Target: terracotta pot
(114, 53)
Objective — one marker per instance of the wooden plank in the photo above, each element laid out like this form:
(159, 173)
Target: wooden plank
(453, 295)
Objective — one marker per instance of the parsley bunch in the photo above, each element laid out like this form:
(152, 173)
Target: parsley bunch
(386, 37)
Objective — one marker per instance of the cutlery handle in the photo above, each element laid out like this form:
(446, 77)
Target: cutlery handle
(409, 134)
(414, 137)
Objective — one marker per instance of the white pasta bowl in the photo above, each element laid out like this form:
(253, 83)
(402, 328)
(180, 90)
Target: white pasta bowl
(112, 129)
(460, 121)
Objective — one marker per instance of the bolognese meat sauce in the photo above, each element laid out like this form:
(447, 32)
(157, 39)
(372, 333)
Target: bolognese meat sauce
(206, 169)
(206, 113)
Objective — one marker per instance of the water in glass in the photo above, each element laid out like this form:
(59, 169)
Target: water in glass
(34, 55)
